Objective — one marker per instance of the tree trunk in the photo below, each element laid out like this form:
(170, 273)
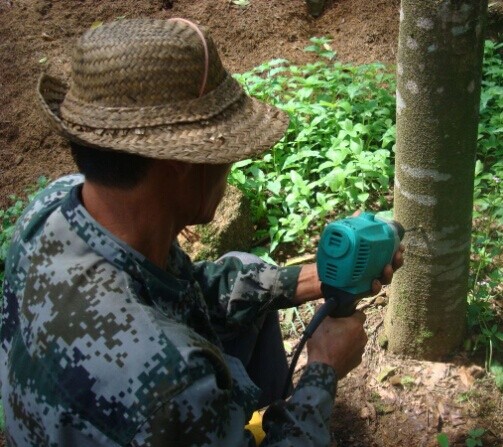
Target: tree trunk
(438, 93)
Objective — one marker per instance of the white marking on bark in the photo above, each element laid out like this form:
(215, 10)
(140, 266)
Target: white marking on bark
(402, 15)
(440, 243)
(412, 43)
(459, 30)
(432, 48)
(412, 87)
(399, 69)
(420, 173)
(422, 199)
(425, 23)
(471, 87)
(440, 90)
(400, 103)
(421, 67)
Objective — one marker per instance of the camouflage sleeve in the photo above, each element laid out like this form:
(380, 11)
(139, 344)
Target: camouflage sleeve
(303, 420)
(206, 415)
(238, 293)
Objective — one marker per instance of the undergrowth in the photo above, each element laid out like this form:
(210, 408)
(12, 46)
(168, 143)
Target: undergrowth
(338, 156)
(8, 219)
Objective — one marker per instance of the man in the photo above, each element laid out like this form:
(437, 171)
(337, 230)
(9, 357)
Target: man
(110, 335)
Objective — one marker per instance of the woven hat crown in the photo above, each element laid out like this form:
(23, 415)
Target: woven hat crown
(142, 64)
(131, 64)
(157, 88)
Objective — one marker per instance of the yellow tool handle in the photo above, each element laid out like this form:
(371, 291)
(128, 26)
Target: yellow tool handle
(255, 426)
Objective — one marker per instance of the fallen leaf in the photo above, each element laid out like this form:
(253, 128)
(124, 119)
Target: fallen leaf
(476, 371)
(364, 413)
(387, 394)
(465, 377)
(395, 381)
(380, 301)
(372, 411)
(385, 373)
(300, 260)
(46, 36)
(438, 372)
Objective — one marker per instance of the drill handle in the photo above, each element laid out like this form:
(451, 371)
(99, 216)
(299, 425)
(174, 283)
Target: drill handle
(344, 303)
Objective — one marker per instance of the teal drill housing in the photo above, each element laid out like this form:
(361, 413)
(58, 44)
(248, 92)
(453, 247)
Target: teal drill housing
(353, 251)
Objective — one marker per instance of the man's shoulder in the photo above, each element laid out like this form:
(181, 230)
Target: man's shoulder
(40, 207)
(47, 198)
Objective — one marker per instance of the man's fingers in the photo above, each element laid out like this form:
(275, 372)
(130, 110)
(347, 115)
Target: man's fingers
(376, 286)
(387, 274)
(398, 258)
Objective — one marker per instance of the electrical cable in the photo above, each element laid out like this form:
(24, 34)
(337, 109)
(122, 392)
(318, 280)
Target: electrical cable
(326, 309)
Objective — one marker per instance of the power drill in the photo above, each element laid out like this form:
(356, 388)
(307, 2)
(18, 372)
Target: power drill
(352, 252)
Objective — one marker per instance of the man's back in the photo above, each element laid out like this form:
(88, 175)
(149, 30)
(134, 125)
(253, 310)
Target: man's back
(74, 318)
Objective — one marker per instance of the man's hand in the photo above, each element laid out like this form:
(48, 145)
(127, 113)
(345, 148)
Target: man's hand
(339, 342)
(389, 269)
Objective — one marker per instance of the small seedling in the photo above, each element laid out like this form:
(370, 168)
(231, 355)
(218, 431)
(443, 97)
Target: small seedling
(242, 3)
(443, 440)
(474, 438)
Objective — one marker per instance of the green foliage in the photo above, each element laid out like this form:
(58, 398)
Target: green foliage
(497, 371)
(443, 440)
(487, 239)
(474, 437)
(8, 219)
(337, 153)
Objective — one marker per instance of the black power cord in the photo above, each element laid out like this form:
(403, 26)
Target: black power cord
(326, 309)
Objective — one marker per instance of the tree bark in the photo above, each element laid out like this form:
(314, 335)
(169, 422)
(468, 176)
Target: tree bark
(438, 93)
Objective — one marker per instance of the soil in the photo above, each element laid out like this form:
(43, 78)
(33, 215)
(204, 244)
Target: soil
(414, 400)
(33, 31)
(391, 401)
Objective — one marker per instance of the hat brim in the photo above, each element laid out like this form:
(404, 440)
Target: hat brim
(243, 130)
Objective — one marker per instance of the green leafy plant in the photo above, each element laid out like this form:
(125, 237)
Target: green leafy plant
(487, 240)
(497, 371)
(474, 437)
(443, 440)
(8, 219)
(321, 46)
(338, 155)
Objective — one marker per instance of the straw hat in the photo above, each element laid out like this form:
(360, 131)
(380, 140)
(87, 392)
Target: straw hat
(158, 88)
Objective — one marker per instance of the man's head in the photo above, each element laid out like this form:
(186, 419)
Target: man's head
(157, 88)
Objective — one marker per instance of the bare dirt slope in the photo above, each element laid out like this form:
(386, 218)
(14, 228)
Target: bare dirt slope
(43, 30)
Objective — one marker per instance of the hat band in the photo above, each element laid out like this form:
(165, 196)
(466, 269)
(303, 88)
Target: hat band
(76, 111)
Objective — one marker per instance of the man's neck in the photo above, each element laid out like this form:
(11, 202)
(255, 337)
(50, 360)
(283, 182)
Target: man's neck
(141, 217)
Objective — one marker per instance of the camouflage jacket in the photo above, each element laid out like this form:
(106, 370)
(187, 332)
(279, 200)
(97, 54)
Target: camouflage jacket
(102, 348)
